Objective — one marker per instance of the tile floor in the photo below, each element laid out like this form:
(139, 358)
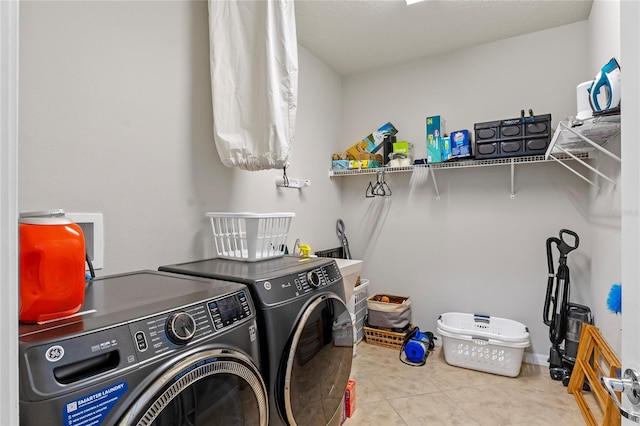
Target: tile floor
(390, 393)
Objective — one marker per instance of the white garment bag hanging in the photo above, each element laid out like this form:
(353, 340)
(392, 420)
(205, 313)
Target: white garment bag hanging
(254, 81)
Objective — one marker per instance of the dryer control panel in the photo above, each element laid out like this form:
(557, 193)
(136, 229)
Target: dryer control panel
(161, 333)
(289, 287)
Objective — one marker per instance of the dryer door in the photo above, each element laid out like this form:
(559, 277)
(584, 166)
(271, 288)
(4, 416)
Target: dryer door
(213, 387)
(319, 363)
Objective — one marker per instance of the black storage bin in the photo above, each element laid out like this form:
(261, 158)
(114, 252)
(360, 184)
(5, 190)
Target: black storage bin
(487, 150)
(513, 137)
(335, 253)
(512, 148)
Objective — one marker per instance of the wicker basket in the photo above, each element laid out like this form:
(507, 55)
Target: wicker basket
(388, 339)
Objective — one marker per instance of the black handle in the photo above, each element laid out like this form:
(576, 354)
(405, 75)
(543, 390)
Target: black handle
(548, 313)
(564, 247)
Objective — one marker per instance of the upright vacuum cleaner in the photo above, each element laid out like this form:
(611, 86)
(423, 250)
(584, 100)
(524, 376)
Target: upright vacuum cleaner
(564, 318)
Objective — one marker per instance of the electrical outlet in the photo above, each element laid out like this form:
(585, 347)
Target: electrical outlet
(93, 230)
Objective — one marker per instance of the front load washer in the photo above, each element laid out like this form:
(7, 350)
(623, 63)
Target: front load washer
(147, 348)
(305, 330)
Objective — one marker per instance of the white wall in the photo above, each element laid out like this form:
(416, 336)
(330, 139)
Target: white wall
(475, 250)
(604, 34)
(605, 212)
(115, 117)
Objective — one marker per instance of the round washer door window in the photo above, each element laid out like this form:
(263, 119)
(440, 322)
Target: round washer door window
(319, 363)
(214, 387)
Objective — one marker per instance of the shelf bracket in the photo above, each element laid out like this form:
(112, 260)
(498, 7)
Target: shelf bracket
(435, 184)
(513, 195)
(589, 141)
(563, 143)
(575, 172)
(585, 164)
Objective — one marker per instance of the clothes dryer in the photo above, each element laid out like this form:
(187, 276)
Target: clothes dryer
(146, 348)
(305, 329)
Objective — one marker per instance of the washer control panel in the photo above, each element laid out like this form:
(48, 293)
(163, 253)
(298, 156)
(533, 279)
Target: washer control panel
(180, 328)
(156, 335)
(282, 289)
(229, 310)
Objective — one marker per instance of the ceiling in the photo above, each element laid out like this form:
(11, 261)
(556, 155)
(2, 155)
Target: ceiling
(353, 36)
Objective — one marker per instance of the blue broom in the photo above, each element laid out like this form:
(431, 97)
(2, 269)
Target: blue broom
(614, 301)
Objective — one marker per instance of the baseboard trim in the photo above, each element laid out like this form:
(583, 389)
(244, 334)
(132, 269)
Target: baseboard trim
(536, 359)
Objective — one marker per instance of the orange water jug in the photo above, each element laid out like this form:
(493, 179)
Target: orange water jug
(52, 266)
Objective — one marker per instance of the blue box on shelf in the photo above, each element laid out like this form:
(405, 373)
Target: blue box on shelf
(460, 144)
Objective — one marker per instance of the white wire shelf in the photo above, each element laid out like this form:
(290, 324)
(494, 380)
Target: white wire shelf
(576, 141)
(457, 164)
(510, 161)
(591, 135)
(588, 136)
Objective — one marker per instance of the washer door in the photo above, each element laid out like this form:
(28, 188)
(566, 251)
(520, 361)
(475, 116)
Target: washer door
(213, 387)
(319, 363)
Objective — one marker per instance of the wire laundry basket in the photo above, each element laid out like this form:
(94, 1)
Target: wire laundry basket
(250, 236)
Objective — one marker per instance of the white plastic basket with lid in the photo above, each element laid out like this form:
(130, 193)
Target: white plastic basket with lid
(487, 326)
(250, 236)
(482, 342)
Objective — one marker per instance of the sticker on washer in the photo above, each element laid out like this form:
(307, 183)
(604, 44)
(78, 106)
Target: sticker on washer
(193, 367)
(91, 409)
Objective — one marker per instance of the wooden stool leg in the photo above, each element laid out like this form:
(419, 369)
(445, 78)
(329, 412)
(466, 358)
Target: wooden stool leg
(593, 354)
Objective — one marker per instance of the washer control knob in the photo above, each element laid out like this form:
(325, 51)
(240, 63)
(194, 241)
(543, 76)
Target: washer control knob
(181, 327)
(314, 278)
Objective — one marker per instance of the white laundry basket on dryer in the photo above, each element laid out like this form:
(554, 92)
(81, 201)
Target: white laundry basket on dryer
(250, 237)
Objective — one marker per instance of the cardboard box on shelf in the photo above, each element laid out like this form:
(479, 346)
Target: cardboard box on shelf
(460, 144)
(403, 147)
(359, 148)
(445, 148)
(354, 164)
(340, 156)
(435, 132)
(373, 142)
(369, 164)
(368, 156)
(340, 164)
